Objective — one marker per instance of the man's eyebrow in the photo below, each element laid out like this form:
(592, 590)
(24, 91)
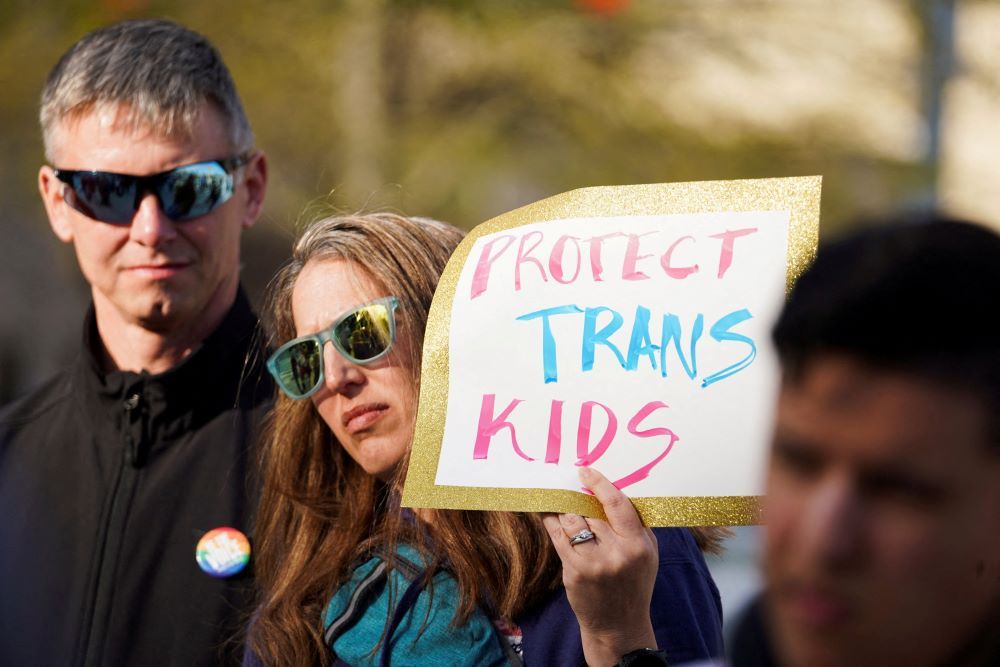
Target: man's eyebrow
(894, 477)
(791, 447)
(790, 437)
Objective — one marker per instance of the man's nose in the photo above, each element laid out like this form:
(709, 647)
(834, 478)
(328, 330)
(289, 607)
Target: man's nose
(832, 525)
(150, 225)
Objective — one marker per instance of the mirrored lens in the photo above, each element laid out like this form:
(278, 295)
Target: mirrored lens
(103, 196)
(183, 193)
(192, 191)
(298, 367)
(366, 333)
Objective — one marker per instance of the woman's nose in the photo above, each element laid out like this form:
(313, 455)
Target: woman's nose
(340, 375)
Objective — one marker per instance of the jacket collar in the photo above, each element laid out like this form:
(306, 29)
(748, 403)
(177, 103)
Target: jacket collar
(224, 372)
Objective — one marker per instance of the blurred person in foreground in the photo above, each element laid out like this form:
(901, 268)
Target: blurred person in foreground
(882, 538)
(112, 471)
(347, 576)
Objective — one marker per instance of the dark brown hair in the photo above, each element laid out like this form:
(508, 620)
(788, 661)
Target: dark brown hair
(915, 295)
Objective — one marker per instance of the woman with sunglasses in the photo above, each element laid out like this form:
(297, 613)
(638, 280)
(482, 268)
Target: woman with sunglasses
(348, 577)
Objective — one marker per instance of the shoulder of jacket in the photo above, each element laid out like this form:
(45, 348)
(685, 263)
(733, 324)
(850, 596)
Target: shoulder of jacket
(38, 402)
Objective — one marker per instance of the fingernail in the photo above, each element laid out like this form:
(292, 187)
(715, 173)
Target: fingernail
(586, 475)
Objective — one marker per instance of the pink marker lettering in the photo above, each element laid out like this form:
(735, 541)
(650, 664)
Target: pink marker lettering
(679, 272)
(556, 259)
(728, 239)
(596, 266)
(490, 425)
(554, 443)
(585, 457)
(481, 276)
(633, 428)
(629, 272)
(525, 256)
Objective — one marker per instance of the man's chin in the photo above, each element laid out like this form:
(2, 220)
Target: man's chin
(798, 635)
(803, 646)
(162, 315)
(796, 651)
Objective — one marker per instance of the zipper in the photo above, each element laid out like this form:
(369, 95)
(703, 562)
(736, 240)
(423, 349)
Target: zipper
(122, 491)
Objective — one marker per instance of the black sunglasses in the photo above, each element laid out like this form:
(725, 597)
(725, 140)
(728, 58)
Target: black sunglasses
(184, 193)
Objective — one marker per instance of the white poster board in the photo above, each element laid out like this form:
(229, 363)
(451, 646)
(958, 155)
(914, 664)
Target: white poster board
(625, 328)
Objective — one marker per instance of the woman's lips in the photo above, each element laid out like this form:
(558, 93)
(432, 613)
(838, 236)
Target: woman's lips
(361, 417)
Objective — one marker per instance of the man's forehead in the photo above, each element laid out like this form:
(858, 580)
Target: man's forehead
(88, 135)
(123, 119)
(843, 404)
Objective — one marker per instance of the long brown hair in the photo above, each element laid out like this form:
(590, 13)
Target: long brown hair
(319, 511)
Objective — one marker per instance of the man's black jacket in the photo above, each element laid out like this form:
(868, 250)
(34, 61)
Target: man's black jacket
(107, 482)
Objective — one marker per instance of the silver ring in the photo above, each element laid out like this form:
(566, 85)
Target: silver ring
(584, 535)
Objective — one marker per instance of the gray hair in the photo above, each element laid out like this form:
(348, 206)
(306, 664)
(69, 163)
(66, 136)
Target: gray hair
(161, 73)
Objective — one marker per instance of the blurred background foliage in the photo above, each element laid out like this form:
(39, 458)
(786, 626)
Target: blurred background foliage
(462, 110)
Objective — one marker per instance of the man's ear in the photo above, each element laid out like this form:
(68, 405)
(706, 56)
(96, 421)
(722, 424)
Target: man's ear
(255, 179)
(51, 189)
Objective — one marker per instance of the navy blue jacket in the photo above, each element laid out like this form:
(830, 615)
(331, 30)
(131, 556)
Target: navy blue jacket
(686, 611)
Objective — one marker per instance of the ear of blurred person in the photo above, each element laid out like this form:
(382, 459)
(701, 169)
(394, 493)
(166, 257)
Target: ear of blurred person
(883, 493)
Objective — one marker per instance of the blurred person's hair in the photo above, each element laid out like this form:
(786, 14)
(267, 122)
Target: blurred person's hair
(157, 72)
(916, 296)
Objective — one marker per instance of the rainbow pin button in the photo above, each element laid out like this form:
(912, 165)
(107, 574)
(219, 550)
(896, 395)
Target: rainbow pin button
(222, 552)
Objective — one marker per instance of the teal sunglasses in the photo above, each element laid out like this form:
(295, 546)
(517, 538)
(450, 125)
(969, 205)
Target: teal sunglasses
(363, 335)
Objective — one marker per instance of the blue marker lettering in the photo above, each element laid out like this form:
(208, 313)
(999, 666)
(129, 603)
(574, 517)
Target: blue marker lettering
(548, 341)
(720, 332)
(672, 330)
(592, 337)
(640, 344)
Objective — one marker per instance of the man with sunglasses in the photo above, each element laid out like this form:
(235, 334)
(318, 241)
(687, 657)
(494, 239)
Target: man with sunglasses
(115, 474)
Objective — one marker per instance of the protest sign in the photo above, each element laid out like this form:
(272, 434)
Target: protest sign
(625, 328)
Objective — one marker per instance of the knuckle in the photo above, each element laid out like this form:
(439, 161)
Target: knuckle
(571, 577)
(615, 500)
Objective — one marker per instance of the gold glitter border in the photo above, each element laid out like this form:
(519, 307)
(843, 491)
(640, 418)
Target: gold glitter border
(799, 195)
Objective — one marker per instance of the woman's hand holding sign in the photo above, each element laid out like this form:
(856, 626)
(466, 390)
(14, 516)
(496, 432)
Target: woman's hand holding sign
(609, 569)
